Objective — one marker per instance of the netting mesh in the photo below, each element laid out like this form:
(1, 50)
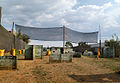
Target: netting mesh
(9, 41)
(56, 34)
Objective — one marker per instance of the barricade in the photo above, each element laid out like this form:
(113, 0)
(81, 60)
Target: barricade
(8, 62)
(66, 57)
(29, 52)
(38, 51)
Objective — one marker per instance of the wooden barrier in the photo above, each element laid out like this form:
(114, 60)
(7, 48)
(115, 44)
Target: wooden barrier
(29, 52)
(8, 62)
(38, 51)
(55, 58)
(66, 57)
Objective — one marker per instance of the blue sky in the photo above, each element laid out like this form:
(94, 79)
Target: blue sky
(79, 15)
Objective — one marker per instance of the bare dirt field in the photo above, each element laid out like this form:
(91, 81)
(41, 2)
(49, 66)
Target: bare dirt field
(84, 69)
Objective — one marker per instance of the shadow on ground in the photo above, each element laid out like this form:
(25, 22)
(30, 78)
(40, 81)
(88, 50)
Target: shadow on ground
(111, 77)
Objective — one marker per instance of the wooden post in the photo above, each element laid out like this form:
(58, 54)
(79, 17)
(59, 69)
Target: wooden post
(14, 42)
(13, 29)
(13, 32)
(63, 38)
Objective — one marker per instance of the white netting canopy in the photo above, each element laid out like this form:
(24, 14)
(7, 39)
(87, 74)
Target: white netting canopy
(56, 34)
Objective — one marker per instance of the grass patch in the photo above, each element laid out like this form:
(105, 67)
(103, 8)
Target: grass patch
(40, 74)
(109, 63)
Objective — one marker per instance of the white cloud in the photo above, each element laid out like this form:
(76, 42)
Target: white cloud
(117, 1)
(88, 17)
(48, 13)
(18, 7)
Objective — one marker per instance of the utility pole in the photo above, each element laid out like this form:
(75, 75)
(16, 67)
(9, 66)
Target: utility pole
(63, 38)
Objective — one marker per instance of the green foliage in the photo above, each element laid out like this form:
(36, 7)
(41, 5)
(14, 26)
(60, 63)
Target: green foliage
(83, 44)
(114, 43)
(24, 37)
(68, 44)
(19, 35)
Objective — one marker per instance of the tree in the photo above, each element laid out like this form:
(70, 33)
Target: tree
(19, 35)
(114, 43)
(24, 37)
(68, 44)
(82, 44)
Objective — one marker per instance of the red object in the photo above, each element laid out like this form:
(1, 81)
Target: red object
(97, 57)
(98, 54)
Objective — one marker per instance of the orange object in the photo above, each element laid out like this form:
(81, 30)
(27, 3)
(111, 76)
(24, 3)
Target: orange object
(97, 57)
(85, 50)
(13, 52)
(48, 52)
(98, 54)
(2, 52)
(23, 51)
(20, 52)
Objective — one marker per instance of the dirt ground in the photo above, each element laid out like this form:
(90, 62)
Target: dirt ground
(84, 69)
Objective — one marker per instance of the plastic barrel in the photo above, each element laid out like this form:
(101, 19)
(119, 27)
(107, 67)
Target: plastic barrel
(23, 51)
(2, 52)
(20, 52)
(86, 50)
(13, 52)
(48, 52)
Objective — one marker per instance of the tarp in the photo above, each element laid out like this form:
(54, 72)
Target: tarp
(56, 34)
(9, 41)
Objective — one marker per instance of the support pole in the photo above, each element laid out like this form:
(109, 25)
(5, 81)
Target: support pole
(100, 39)
(0, 14)
(13, 28)
(63, 38)
(13, 32)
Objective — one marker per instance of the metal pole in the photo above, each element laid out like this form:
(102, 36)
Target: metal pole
(0, 14)
(63, 38)
(100, 39)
